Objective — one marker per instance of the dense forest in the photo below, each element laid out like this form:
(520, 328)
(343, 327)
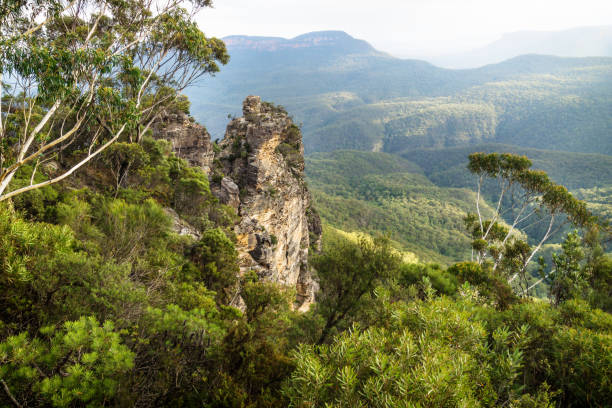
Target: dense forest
(379, 193)
(105, 302)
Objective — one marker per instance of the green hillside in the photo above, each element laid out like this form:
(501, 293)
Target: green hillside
(447, 167)
(381, 193)
(420, 202)
(588, 176)
(571, 108)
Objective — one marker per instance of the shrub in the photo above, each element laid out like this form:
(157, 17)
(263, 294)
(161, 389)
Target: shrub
(82, 362)
(215, 257)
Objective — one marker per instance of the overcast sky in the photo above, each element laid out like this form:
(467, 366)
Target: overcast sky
(403, 27)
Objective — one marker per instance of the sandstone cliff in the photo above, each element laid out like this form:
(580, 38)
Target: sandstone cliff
(190, 140)
(260, 172)
(258, 169)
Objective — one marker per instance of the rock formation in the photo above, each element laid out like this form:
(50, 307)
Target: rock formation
(258, 169)
(260, 172)
(190, 140)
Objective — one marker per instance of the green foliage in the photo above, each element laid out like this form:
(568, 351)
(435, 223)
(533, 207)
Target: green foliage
(583, 358)
(150, 170)
(490, 285)
(256, 349)
(130, 229)
(564, 344)
(291, 149)
(78, 80)
(174, 349)
(442, 281)
(215, 257)
(121, 158)
(568, 280)
(46, 278)
(460, 352)
(182, 104)
(81, 362)
(430, 354)
(118, 260)
(601, 281)
(348, 272)
(39, 203)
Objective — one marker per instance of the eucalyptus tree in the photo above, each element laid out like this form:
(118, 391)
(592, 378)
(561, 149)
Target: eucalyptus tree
(78, 75)
(525, 197)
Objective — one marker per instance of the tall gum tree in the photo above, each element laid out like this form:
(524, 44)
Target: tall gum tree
(78, 75)
(525, 198)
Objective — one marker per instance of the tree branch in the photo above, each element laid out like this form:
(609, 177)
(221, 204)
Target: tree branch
(8, 392)
(536, 249)
(478, 204)
(538, 282)
(66, 174)
(41, 25)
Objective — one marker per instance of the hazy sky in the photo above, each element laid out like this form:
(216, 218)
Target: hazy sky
(403, 27)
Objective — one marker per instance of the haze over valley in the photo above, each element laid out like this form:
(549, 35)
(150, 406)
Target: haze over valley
(574, 42)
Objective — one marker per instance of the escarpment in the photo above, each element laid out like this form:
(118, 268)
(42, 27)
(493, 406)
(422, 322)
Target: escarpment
(258, 169)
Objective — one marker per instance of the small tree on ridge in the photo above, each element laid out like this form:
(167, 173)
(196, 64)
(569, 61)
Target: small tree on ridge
(525, 197)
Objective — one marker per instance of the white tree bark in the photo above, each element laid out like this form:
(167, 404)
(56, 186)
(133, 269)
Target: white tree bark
(67, 173)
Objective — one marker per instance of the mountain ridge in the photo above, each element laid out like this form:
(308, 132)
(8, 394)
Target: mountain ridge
(573, 42)
(328, 38)
(351, 97)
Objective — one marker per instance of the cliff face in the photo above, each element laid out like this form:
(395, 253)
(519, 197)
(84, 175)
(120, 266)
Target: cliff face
(258, 169)
(190, 140)
(260, 172)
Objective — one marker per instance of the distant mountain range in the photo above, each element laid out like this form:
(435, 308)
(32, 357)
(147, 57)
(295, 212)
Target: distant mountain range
(575, 42)
(349, 95)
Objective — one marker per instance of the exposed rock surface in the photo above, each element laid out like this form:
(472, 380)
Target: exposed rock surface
(260, 172)
(227, 192)
(190, 140)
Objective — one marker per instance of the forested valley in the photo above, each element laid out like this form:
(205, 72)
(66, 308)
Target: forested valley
(145, 264)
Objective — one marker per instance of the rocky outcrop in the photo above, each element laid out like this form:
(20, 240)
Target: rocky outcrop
(258, 169)
(227, 192)
(260, 172)
(190, 140)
